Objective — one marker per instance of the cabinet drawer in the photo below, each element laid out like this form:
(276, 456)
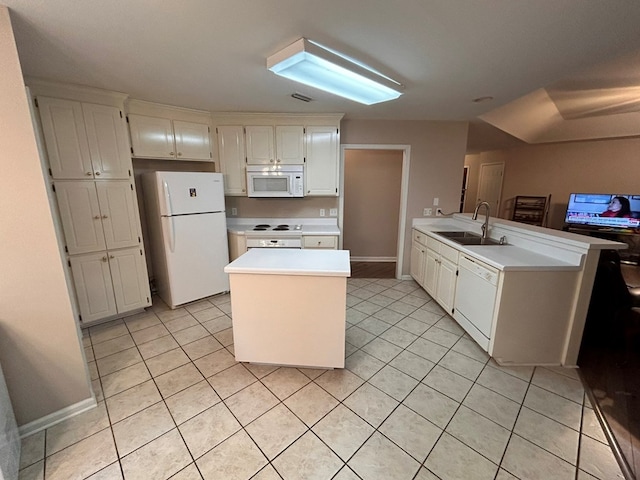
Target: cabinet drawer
(320, 242)
(449, 253)
(433, 244)
(420, 237)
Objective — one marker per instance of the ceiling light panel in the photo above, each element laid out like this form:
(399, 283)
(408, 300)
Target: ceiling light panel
(312, 64)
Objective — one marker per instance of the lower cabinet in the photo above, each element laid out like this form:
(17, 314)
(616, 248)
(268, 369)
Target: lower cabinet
(237, 245)
(440, 271)
(108, 283)
(326, 242)
(418, 256)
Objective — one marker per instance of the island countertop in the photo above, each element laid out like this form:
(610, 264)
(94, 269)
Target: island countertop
(289, 261)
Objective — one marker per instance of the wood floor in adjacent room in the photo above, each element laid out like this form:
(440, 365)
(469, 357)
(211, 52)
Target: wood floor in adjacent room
(373, 269)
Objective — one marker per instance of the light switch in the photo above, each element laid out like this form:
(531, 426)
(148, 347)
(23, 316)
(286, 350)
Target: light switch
(436, 201)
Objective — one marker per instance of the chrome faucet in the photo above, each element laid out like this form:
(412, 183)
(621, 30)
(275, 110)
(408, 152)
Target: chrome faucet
(485, 225)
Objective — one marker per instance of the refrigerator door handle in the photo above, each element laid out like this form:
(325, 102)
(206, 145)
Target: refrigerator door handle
(171, 234)
(167, 198)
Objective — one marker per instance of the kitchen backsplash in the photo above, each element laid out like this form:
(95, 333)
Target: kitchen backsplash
(307, 207)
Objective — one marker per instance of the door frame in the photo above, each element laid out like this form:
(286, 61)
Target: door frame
(404, 193)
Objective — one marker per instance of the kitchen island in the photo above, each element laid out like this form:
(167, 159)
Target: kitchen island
(289, 306)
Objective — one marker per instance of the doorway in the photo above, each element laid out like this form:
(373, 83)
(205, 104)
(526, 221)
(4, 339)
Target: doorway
(372, 206)
(465, 181)
(490, 185)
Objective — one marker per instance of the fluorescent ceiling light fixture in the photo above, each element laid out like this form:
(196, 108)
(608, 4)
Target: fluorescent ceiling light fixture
(310, 63)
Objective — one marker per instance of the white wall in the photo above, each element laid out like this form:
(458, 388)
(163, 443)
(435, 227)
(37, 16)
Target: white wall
(40, 350)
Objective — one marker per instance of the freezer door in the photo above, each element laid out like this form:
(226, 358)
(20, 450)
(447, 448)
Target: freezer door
(196, 251)
(182, 193)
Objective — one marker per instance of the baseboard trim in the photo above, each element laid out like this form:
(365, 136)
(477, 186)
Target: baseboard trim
(57, 417)
(406, 277)
(373, 259)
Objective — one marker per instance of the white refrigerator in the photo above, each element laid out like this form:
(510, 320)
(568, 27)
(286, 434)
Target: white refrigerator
(187, 234)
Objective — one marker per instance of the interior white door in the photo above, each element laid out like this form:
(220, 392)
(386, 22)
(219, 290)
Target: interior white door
(490, 185)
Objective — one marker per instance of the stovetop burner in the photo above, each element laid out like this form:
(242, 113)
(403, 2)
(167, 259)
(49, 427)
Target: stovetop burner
(259, 229)
(263, 225)
(280, 228)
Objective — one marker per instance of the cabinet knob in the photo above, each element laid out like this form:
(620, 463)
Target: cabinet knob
(319, 243)
(271, 160)
(105, 216)
(89, 174)
(97, 217)
(111, 256)
(179, 154)
(104, 259)
(97, 174)
(171, 154)
(278, 161)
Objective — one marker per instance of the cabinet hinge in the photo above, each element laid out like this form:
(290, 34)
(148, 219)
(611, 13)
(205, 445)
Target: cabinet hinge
(210, 155)
(304, 159)
(131, 185)
(139, 239)
(127, 118)
(337, 131)
(80, 317)
(66, 249)
(140, 251)
(129, 172)
(53, 187)
(131, 150)
(120, 113)
(36, 102)
(209, 129)
(50, 173)
(69, 262)
(336, 189)
(304, 130)
(216, 130)
(457, 272)
(147, 299)
(453, 311)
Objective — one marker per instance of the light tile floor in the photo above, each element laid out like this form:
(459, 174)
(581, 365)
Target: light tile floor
(418, 399)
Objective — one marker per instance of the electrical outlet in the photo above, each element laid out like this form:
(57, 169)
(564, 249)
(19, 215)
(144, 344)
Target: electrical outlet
(322, 212)
(427, 212)
(439, 212)
(333, 212)
(234, 211)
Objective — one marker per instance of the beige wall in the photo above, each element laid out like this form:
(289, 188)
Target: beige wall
(306, 207)
(372, 182)
(40, 351)
(437, 160)
(599, 166)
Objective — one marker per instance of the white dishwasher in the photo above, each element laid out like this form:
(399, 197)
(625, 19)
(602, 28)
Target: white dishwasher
(476, 298)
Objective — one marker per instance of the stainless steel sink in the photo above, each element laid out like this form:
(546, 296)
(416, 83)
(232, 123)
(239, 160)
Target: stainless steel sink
(468, 238)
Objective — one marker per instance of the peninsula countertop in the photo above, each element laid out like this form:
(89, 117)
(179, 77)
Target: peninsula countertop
(289, 261)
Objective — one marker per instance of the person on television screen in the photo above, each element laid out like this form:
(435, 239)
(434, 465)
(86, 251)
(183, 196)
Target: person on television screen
(618, 207)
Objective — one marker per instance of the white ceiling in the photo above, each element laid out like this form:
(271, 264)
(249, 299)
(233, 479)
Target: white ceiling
(211, 54)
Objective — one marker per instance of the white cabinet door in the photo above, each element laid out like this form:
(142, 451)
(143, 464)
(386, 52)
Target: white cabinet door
(129, 276)
(259, 142)
(232, 159)
(151, 137)
(119, 214)
(192, 141)
(94, 290)
(290, 145)
(108, 142)
(81, 216)
(417, 262)
(322, 161)
(445, 291)
(65, 138)
(431, 272)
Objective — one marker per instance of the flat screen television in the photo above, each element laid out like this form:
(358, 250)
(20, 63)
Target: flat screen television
(611, 211)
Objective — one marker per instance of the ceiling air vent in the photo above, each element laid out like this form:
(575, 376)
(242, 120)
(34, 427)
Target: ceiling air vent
(299, 96)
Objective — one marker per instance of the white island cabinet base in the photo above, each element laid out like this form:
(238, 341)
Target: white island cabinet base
(289, 306)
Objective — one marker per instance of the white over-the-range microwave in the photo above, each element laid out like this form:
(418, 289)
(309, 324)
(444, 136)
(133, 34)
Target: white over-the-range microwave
(275, 181)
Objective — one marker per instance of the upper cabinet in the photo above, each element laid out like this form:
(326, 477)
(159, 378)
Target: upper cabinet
(287, 139)
(232, 158)
(279, 139)
(154, 137)
(322, 173)
(84, 140)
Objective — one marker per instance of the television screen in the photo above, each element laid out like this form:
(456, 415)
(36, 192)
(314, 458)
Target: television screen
(604, 210)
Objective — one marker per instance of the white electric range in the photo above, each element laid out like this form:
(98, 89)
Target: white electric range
(280, 232)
